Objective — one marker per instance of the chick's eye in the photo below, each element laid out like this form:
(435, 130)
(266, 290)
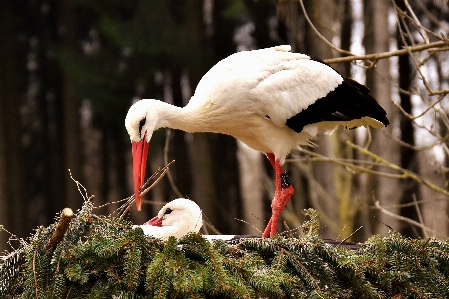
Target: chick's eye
(141, 124)
(168, 211)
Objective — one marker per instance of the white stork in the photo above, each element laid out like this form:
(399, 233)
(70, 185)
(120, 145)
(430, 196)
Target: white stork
(176, 218)
(271, 99)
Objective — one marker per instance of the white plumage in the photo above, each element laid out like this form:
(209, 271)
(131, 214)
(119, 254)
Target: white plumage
(271, 99)
(176, 218)
(271, 82)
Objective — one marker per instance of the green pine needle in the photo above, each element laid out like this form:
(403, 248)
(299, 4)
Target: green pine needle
(103, 257)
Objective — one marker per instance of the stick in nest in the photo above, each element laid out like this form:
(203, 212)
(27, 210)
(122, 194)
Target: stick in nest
(149, 184)
(61, 228)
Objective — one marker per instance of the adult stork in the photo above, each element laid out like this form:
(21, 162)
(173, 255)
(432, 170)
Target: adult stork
(271, 99)
(176, 218)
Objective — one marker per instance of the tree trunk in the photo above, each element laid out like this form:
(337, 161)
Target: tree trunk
(344, 180)
(408, 157)
(377, 39)
(322, 15)
(200, 151)
(214, 171)
(13, 203)
(71, 117)
(178, 149)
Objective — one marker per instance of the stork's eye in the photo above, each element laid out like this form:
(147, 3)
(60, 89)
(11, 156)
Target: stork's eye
(141, 124)
(168, 211)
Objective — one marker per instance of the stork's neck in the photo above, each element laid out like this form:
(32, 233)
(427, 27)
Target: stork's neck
(189, 118)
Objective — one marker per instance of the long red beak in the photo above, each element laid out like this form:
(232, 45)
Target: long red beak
(140, 153)
(155, 221)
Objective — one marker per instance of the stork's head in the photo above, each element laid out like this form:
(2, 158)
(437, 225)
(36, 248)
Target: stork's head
(140, 122)
(177, 218)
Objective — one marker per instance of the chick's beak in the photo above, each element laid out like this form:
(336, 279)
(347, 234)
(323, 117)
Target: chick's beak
(155, 221)
(139, 153)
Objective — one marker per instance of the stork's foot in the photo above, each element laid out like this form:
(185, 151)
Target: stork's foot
(280, 200)
(284, 190)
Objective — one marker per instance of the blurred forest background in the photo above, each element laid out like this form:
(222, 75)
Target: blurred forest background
(70, 69)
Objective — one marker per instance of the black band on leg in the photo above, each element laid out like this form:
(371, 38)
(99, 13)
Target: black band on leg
(285, 181)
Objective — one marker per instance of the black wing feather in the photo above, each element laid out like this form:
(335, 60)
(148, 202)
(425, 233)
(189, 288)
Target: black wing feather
(350, 100)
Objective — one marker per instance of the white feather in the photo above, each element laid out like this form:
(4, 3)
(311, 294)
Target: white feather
(236, 95)
(268, 81)
(185, 217)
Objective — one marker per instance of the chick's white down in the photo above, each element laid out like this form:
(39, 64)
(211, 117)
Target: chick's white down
(178, 218)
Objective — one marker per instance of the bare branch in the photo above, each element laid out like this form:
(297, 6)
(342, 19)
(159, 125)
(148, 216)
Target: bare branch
(405, 219)
(331, 45)
(404, 173)
(382, 55)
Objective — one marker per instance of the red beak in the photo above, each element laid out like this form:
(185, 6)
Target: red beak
(155, 221)
(140, 153)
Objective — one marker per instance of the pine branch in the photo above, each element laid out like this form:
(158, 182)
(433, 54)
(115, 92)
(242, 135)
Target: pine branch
(103, 257)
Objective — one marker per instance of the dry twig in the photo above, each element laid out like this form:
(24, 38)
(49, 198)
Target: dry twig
(383, 55)
(405, 219)
(152, 181)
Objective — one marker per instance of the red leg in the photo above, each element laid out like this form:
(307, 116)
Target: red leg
(282, 195)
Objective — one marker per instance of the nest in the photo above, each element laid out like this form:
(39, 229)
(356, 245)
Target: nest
(84, 255)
